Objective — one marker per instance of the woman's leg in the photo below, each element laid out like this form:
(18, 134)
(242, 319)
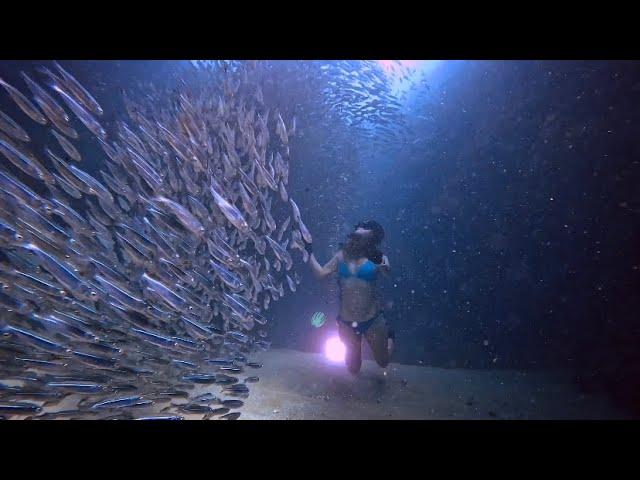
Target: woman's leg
(377, 336)
(352, 342)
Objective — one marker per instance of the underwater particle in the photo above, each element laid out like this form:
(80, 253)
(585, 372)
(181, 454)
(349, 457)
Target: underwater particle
(485, 343)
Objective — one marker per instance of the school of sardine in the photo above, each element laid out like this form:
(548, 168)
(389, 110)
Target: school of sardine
(129, 286)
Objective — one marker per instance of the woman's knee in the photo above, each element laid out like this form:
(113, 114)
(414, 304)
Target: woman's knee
(353, 358)
(378, 341)
(382, 359)
(354, 367)
(354, 362)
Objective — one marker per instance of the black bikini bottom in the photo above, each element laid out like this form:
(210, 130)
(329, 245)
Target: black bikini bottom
(360, 327)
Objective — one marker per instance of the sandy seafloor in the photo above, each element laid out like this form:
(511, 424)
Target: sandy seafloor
(295, 385)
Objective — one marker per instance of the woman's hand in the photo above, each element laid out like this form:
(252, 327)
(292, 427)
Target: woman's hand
(308, 247)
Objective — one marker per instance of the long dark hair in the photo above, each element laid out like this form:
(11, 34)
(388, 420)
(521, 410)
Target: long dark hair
(357, 247)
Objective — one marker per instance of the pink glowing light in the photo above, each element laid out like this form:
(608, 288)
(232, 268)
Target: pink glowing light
(335, 350)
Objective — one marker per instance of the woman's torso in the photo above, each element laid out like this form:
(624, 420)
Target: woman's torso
(359, 299)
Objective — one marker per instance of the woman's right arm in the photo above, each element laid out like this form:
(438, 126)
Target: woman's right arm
(323, 271)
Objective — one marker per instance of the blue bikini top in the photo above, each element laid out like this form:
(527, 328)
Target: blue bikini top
(367, 271)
